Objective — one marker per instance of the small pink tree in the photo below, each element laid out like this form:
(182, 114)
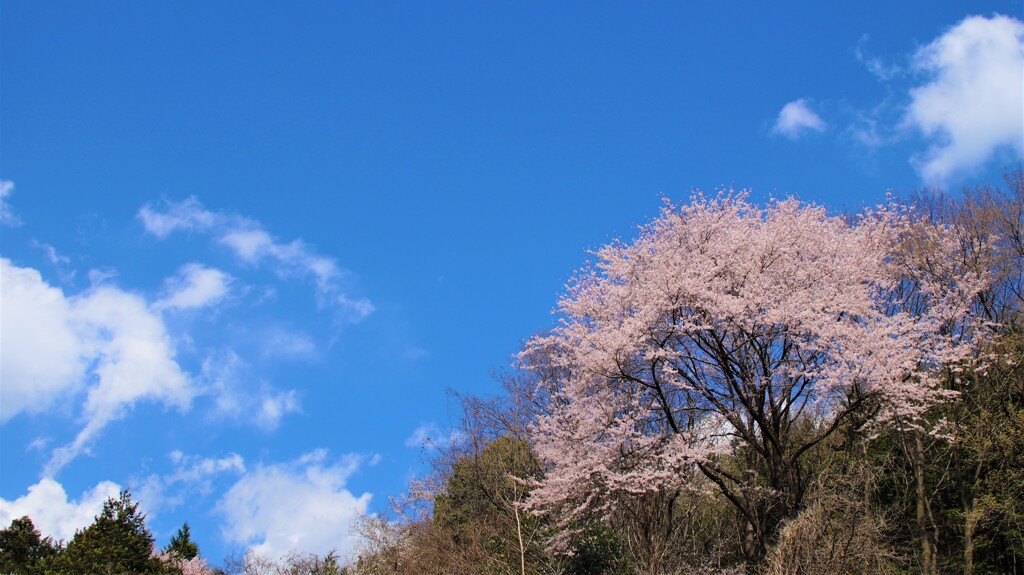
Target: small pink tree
(728, 328)
(194, 566)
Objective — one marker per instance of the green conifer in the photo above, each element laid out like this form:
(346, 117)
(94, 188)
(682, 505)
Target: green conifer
(117, 543)
(182, 546)
(22, 549)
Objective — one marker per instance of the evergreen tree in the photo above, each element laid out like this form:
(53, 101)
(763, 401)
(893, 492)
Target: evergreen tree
(117, 543)
(22, 549)
(481, 511)
(182, 546)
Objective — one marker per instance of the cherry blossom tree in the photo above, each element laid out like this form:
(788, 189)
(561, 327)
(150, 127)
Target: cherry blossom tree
(726, 331)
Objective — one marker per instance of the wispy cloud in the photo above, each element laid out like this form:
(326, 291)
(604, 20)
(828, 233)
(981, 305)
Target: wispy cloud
(192, 475)
(273, 405)
(430, 436)
(240, 394)
(51, 253)
(280, 343)
(315, 517)
(796, 118)
(188, 215)
(253, 245)
(7, 217)
(38, 444)
(195, 286)
(973, 103)
(877, 66)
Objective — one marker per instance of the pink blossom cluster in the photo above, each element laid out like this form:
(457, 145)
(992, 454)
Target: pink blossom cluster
(669, 346)
(195, 566)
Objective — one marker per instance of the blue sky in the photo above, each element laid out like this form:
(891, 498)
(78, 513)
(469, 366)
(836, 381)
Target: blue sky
(247, 247)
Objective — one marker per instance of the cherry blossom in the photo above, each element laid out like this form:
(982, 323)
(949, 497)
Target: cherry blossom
(724, 325)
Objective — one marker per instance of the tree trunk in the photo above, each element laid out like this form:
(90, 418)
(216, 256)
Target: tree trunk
(927, 552)
(969, 543)
(522, 546)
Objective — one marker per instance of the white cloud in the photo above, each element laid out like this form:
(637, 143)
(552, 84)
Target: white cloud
(250, 245)
(195, 286)
(187, 215)
(42, 355)
(229, 378)
(130, 354)
(100, 276)
(973, 104)
(52, 513)
(796, 118)
(104, 340)
(222, 375)
(192, 475)
(254, 246)
(301, 505)
(38, 444)
(192, 467)
(7, 217)
(355, 310)
(284, 344)
(430, 436)
(51, 253)
(275, 405)
(878, 67)
(866, 133)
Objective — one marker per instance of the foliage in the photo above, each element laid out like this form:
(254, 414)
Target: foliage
(991, 462)
(181, 545)
(116, 543)
(964, 490)
(23, 549)
(482, 486)
(598, 550)
(483, 502)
